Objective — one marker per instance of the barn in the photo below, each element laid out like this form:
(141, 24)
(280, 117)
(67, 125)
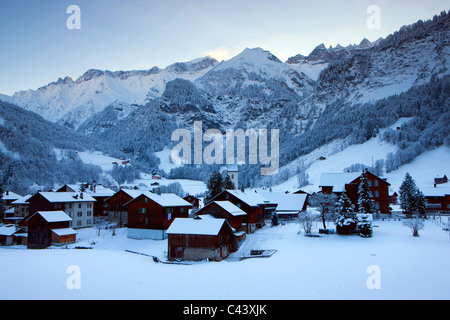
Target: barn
(47, 228)
(199, 239)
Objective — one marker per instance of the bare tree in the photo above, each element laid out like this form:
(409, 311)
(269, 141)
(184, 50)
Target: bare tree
(326, 204)
(415, 225)
(307, 219)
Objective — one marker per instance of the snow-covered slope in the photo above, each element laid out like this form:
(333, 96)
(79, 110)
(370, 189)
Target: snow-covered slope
(71, 102)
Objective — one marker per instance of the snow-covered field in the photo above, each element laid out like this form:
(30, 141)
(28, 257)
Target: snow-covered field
(329, 267)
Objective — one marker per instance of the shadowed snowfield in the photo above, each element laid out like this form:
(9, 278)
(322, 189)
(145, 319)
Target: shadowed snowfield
(328, 267)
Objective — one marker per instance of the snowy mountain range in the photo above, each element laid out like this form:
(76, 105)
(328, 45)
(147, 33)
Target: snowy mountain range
(136, 111)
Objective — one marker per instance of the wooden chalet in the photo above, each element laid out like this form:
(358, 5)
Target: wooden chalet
(438, 199)
(236, 217)
(289, 205)
(117, 210)
(251, 203)
(348, 182)
(193, 200)
(199, 239)
(47, 228)
(150, 214)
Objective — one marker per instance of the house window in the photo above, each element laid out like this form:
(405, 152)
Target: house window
(69, 206)
(377, 205)
(182, 209)
(89, 213)
(375, 183)
(169, 210)
(89, 205)
(79, 206)
(89, 221)
(142, 210)
(79, 214)
(79, 223)
(377, 193)
(370, 183)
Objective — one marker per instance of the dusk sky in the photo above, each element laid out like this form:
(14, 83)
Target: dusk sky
(38, 48)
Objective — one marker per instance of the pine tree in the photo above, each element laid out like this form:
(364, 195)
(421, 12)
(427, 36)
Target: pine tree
(408, 195)
(347, 219)
(228, 184)
(214, 185)
(421, 203)
(365, 201)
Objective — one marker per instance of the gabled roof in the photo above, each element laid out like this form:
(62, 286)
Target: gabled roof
(8, 230)
(64, 231)
(164, 199)
(22, 200)
(196, 226)
(435, 192)
(99, 190)
(66, 197)
(52, 216)
(253, 199)
(8, 195)
(230, 208)
(337, 180)
(287, 201)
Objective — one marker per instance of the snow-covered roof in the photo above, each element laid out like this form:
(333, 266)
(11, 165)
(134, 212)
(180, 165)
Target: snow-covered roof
(253, 199)
(67, 197)
(231, 208)
(435, 192)
(287, 202)
(196, 226)
(165, 199)
(99, 190)
(232, 168)
(337, 180)
(53, 216)
(64, 231)
(8, 195)
(133, 193)
(8, 230)
(22, 200)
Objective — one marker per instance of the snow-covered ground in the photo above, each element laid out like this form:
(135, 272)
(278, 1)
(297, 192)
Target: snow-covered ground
(329, 267)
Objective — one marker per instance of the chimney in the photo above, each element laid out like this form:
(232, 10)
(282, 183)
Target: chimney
(81, 195)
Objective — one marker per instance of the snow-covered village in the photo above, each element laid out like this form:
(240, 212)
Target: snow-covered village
(321, 177)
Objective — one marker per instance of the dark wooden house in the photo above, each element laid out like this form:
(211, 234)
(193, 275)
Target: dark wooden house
(339, 183)
(47, 228)
(193, 200)
(438, 199)
(199, 239)
(236, 217)
(117, 210)
(150, 214)
(251, 203)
